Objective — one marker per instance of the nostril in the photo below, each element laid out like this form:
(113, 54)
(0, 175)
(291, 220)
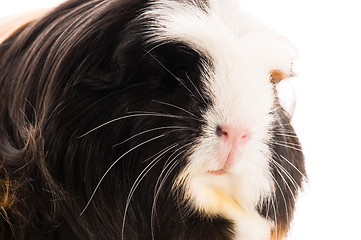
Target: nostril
(220, 132)
(232, 135)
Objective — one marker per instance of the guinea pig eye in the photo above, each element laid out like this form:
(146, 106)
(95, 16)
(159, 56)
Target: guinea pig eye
(179, 65)
(177, 77)
(180, 71)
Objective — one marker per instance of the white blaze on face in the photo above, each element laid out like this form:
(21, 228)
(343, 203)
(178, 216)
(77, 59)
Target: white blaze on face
(228, 172)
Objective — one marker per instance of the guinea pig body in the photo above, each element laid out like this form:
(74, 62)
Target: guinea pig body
(146, 120)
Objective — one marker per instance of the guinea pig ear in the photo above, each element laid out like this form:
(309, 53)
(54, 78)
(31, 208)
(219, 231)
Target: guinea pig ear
(276, 75)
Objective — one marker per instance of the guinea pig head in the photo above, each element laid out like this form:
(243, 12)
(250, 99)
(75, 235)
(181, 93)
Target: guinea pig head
(246, 157)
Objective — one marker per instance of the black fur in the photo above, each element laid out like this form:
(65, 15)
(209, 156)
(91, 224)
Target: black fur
(85, 64)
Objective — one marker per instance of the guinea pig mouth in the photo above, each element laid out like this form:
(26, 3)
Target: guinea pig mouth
(218, 172)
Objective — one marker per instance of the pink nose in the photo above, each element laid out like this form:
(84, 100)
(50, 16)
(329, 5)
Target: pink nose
(232, 136)
(231, 145)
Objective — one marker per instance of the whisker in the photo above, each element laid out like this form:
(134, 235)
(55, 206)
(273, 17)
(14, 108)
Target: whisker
(289, 162)
(288, 175)
(155, 47)
(59, 108)
(194, 86)
(286, 145)
(285, 134)
(284, 180)
(289, 143)
(177, 107)
(172, 167)
(129, 116)
(152, 130)
(284, 170)
(164, 115)
(161, 183)
(111, 166)
(169, 161)
(140, 178)
(181, 82)
(284, 131)
(283, 196)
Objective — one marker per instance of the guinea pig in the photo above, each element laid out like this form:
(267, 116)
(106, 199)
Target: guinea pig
(146, 120)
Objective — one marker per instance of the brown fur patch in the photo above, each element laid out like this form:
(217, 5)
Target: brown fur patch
(7, 195)
(279, 233)
(276, 76)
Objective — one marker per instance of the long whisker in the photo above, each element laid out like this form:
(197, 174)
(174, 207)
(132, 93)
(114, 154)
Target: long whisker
(286, 145)
(283, 179)
(153, 48)
(284, 131)
(283, 134)
(162, 182)
(164, 115)
(176, 128)
(174, 106)
(285, 171)
(289, 162)
(289, 143)
(283, 196)
(111, 166)
(194, 86)
(168, 162)
(179, 80)
(172, 167)
(130, 116)
(140, 178)
(288, 175)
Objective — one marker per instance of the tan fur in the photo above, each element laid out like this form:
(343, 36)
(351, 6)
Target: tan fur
(11, 24)
(280, 232)
(276, 76)
(7, 194)
(9, 188)
(7, 197)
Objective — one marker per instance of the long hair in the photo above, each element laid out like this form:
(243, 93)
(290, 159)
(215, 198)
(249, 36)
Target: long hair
(67, 160)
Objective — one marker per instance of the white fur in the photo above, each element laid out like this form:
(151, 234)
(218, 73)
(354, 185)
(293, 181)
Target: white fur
(243, 52)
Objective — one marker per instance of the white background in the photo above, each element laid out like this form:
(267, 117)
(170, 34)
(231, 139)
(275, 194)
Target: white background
(327, 115)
